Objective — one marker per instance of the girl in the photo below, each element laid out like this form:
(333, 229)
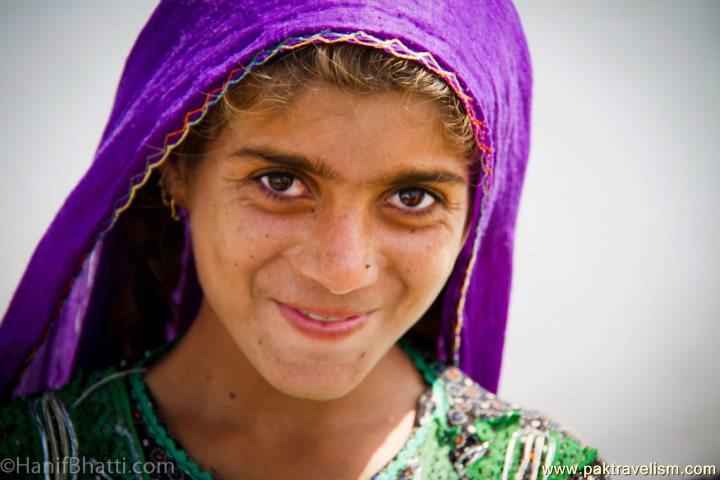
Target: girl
(290, 257)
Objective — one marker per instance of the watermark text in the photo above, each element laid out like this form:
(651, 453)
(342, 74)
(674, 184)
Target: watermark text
(83, 466)
(613, 469)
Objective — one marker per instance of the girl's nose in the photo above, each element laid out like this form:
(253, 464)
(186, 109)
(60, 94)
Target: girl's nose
(339, 253)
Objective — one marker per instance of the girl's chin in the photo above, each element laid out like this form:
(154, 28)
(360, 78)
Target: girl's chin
(316, 393)
(307, 375)
(311, 387)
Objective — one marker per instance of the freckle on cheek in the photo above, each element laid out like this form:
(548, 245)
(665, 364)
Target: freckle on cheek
(362, 355)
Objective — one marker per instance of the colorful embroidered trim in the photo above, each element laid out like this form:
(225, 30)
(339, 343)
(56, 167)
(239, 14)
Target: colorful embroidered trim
(392, 46)
(460, 311)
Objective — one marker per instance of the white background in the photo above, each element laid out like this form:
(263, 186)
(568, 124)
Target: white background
(614, 324)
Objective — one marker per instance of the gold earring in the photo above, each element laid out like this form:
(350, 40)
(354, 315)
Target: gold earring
(174, 210)
(169, 201)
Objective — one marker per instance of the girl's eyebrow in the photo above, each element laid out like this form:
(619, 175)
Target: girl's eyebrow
(297, 162)
(414, 175)
(404, 176)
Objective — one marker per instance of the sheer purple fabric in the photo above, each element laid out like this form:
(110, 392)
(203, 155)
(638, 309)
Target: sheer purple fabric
(185, 54)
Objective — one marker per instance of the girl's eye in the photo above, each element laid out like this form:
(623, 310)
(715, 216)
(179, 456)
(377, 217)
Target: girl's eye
(282, 184)
(413, 200)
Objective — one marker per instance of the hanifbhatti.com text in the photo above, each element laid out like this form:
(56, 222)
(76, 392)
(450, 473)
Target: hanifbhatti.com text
(83, 466)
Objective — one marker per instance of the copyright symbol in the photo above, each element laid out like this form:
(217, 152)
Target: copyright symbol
(7, 465)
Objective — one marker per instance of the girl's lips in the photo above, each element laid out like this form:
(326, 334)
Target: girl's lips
(318, 329)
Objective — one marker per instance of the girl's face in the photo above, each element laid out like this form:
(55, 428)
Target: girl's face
(343, 207)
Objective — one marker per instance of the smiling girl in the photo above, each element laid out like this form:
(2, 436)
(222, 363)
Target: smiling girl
(308, 275)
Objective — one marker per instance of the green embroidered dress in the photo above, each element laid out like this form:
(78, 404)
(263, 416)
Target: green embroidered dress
(106, 422)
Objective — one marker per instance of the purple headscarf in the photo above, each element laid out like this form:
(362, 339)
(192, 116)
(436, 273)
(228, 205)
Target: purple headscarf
(192, 51)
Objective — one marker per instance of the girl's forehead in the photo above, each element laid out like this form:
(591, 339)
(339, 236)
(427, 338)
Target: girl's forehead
(348, 131)
(320, 105)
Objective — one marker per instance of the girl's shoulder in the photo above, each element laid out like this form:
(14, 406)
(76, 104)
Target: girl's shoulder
(476, 435)
(492, 438)
(91, 410)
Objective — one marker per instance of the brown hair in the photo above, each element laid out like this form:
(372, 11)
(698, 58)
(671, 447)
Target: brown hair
(358, 69)
(153, 243)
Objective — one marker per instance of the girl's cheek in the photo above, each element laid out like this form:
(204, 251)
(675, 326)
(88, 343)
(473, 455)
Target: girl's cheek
(248, 235)
(423, 253)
